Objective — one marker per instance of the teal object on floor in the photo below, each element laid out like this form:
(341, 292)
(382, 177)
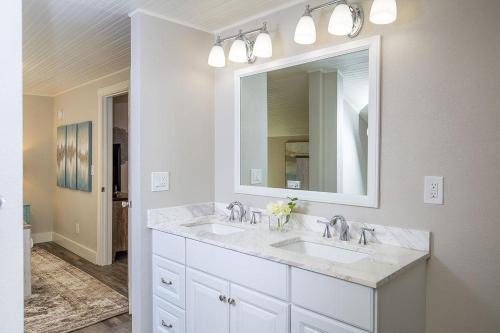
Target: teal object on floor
(26, 214)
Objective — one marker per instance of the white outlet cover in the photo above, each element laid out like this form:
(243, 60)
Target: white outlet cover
(160, 181)
(255, 176)
(433, 190)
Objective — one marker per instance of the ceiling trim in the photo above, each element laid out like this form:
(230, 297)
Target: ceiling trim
(257, 16)
(84, 84)
(169, 19)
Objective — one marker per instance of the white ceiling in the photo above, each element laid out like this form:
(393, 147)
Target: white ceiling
(69, 42)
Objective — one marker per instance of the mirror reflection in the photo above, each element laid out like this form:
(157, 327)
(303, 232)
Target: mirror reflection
(306, 127)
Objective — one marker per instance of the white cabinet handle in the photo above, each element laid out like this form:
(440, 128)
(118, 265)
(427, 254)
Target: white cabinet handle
(2, 202)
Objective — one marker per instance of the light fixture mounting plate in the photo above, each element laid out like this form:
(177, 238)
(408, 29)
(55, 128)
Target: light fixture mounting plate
(358, 19)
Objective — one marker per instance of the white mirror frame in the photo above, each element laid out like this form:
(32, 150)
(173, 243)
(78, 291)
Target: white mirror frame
(372, 44)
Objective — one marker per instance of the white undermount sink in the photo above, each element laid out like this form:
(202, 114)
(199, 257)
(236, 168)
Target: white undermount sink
(214, 228)
(327, 252)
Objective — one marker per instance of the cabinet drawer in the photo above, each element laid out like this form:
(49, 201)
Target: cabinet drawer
(169, 246)
(169, 281)
(167, 318)
(259, 274)
(338, 299)
(304, 321)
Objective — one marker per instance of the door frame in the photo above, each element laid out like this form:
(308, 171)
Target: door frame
(104, 175)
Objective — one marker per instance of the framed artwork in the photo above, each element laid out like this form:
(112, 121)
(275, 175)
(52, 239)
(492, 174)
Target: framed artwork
(71, 132)
(84, 156)
(61, 156)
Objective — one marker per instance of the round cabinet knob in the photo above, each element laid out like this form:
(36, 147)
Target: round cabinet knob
(222, 298)
(231, 301)
(2, 202)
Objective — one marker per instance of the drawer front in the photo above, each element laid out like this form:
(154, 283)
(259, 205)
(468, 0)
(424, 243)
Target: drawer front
(169, 246)
(304, 321)
(167, 318)
(169, 281)
(338, 299)
(259, 274)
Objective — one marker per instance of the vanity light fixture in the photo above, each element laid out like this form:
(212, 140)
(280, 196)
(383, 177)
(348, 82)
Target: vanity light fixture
(346, 19)
(242, 49)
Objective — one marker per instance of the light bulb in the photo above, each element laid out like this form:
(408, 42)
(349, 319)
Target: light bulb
(216, 58)
(263, 47)
(238, 51)
(383, 11)
(341, 21)
(305, 32)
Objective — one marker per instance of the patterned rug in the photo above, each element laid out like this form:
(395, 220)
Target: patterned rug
(64, 298)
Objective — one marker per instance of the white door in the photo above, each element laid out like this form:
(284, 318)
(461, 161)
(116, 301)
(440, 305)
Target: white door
(207, 309)
(11, 168)
(252, 312)
(304, 321)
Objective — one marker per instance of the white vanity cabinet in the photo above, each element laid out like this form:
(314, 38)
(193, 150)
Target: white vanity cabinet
(203, 288)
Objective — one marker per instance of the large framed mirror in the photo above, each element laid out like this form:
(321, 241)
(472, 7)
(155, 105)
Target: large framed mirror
(308, 126)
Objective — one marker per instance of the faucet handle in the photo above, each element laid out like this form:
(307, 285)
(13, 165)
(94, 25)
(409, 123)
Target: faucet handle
(362, 236)
(255, 213)
(326, 233)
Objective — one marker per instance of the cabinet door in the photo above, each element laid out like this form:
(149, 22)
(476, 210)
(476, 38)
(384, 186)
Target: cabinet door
(304, 321)
(207, 309)
(252, 312)
(167, 318)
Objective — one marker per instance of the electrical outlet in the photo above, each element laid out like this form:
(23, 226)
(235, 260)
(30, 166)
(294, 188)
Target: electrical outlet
(433, 190)
(255, 176)
(77, 228)
(160, 181)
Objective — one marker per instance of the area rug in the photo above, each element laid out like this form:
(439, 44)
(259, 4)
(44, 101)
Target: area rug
(64, 298)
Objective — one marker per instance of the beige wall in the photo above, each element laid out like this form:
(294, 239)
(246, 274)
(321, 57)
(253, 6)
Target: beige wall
(439, 116)
(38, 169)
(70, 206)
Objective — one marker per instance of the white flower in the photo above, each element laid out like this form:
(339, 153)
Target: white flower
(278, 209)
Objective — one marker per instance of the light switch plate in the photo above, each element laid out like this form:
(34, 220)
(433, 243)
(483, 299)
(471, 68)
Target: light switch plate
(160, 181)
(433, 190)
(255, 176)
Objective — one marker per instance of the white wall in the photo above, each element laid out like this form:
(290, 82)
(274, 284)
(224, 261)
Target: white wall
(73, 207)
(38, 167)
(11, 168)
(439, 116)
(171, 130)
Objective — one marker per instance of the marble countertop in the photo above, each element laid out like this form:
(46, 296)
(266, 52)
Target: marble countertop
(383, 263)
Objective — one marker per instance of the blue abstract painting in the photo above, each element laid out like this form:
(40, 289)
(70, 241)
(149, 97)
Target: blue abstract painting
(84, 157)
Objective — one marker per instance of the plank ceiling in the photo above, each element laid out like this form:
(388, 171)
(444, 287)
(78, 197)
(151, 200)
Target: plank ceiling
(69, 42)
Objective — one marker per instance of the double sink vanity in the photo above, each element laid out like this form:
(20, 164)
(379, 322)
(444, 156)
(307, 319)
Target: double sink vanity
(213, 275)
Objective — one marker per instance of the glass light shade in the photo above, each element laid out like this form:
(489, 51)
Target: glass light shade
(238, 51)
(216, 58)
(263, 47)
(383, 11)
(305, 32)
(341, 21)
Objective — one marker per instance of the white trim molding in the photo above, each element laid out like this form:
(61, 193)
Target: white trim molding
(169, 19)
(75, 247)
(42, 237)
(104, 176)
(372, 44)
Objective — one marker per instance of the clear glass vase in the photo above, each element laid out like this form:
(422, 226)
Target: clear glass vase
(279, 223)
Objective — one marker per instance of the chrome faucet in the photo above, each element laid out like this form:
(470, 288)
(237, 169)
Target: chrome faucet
(344, 234)
(242, 211)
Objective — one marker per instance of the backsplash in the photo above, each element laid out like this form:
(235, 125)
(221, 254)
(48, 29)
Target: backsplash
(406, 238)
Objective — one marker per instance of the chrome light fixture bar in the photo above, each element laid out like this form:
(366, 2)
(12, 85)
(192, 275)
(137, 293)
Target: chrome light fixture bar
(346, 19)
(243, 49)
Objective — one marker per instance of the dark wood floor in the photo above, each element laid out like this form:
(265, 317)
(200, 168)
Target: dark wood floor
(114, 276)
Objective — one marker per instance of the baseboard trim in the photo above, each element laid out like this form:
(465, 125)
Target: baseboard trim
(42, 237)
(75, 247)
